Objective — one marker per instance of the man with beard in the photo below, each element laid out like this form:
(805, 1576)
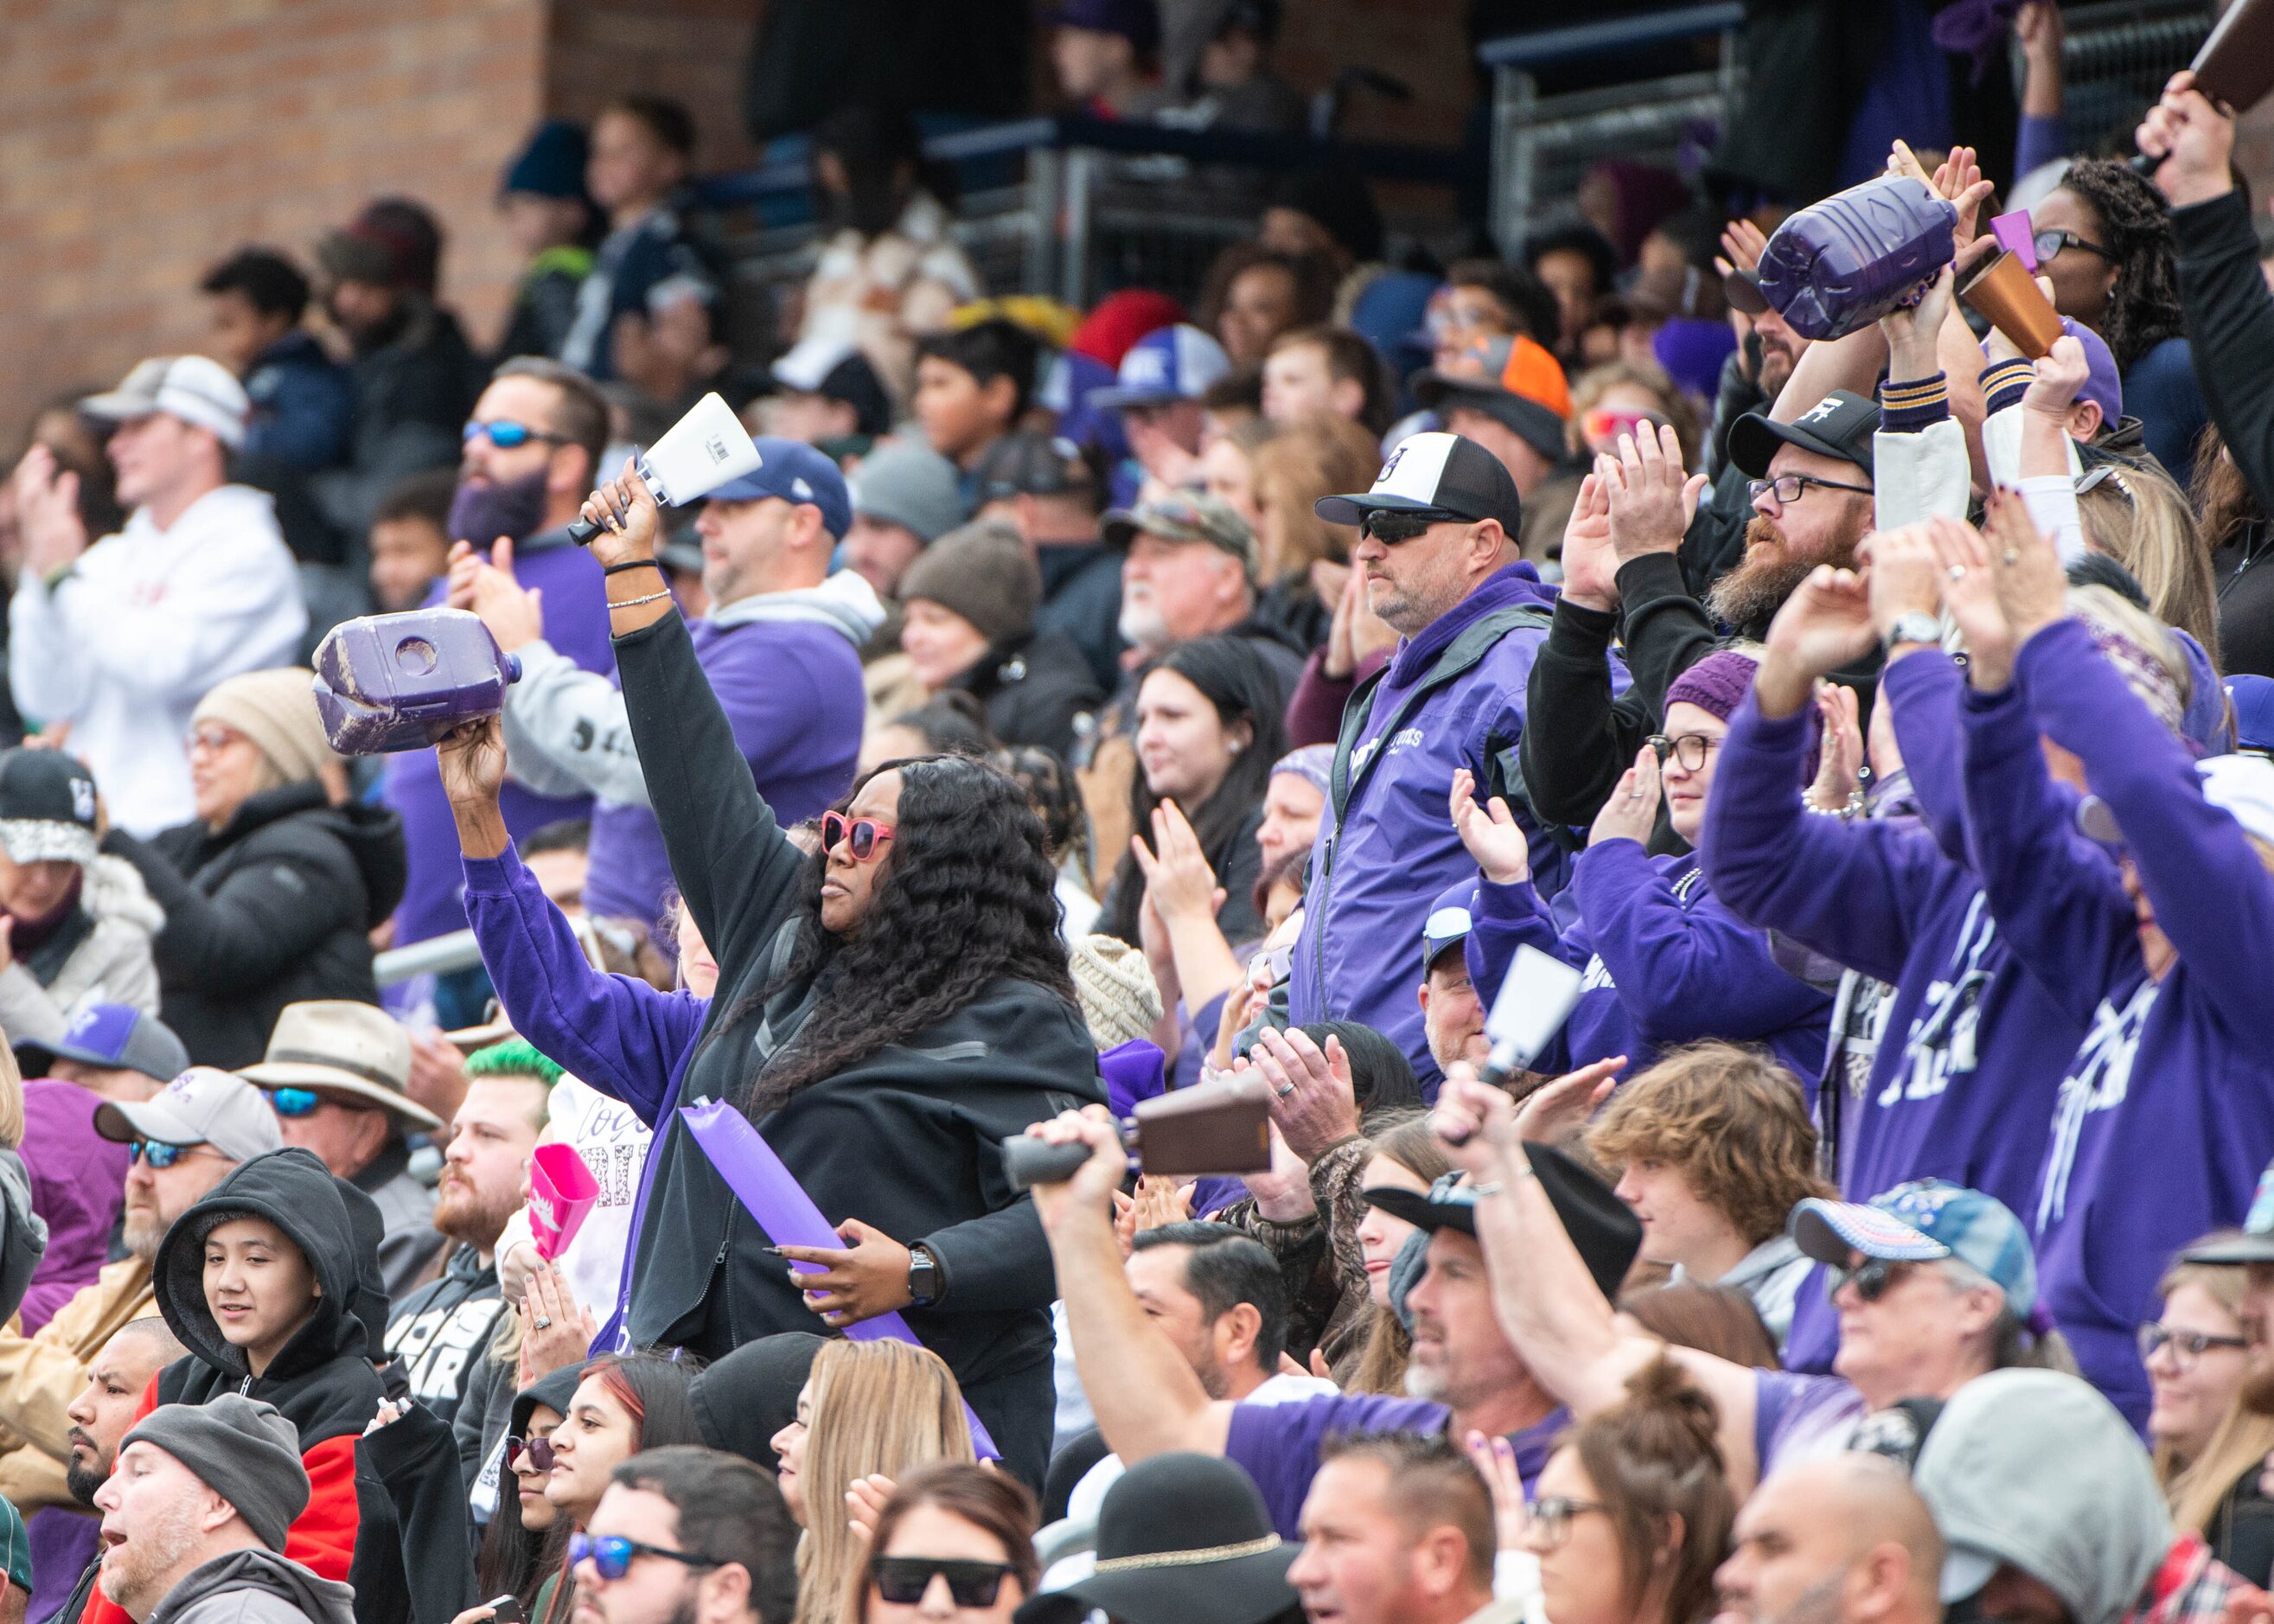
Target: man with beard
(1843, 1540)
(442, 1331)
(194, 1518)
(64, 1542)
(1810, 485)
(532, 451)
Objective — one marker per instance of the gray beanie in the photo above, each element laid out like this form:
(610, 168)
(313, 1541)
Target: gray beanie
(912, 486)
(982, 572)
(240, 1448)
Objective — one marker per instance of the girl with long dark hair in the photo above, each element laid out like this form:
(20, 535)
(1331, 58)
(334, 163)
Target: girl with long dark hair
(887, 1014)
(1209, 730)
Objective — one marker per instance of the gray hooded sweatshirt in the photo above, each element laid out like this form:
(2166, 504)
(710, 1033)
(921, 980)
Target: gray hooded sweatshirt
(2036, 1470)
(256, 1586)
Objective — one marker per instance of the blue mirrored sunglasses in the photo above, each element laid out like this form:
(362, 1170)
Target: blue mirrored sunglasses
(295, 1102)
(507, 435)
(612, 1555)
(158, 1154)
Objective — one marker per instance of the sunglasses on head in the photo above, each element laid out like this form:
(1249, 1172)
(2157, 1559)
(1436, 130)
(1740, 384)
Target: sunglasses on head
(539, 1451)
(157, 1154)
(1391, 525)
(1874, 1278)
(866, 833)
(903, 1580)
(612, 1555)
(507, 435)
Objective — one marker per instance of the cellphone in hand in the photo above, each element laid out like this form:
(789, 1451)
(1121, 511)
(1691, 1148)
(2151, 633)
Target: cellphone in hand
(508, 1610)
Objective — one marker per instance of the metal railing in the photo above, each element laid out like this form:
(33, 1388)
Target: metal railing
(1543, 144)
(1088, 205)
(2117, 55)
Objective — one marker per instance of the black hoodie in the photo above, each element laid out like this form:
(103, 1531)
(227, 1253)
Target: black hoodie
(321, 1380)
(274, 909)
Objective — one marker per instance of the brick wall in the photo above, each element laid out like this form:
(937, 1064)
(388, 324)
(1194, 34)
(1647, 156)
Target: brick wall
(144, 140)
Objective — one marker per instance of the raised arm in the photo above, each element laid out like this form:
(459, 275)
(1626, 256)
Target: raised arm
(739, 873)
(1145, 1397)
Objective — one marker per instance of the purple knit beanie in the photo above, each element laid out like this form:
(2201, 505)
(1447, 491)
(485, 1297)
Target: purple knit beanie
(1717, 683)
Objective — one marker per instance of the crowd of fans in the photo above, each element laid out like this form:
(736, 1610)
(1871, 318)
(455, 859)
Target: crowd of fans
(1076, 707)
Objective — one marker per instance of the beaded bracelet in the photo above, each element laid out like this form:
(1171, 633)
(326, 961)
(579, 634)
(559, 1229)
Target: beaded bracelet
(633, 603)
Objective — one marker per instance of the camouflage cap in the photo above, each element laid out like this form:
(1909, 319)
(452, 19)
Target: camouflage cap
(1186, 516)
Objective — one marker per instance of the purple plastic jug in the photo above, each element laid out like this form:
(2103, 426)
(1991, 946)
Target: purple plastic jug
(400, 682)
(1837, 266)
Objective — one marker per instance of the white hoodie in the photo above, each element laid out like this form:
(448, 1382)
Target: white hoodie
(133, 635)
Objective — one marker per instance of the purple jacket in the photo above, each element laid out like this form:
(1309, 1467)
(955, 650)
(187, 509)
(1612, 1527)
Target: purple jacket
(621, 1036)
(792, 690)
(1973, 1044)
(577, 623)
(78, 1183)
(2167, 1113)
(1386, 847)
(1666, 964)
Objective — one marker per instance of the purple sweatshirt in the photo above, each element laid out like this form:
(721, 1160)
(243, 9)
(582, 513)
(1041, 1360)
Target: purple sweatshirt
(1389, 848)
(1973, 1045)
(1666, 963)
(577, 623)
(619, 1035)
(2167, 1113)
(78, 1183)
(792, 691)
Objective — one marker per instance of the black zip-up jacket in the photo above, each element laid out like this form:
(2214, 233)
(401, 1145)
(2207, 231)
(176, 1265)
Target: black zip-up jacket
(2225, 297)
(908, 1139)
(1032, 690)
(274, 909)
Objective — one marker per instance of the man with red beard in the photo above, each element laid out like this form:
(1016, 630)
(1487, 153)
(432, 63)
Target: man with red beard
(442, 1331)
(1811, 499)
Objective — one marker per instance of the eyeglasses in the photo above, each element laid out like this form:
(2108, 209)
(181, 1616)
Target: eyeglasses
(2186, 1346)
(539, 1451)
(508, 436)
(1872, 1279)
(903, 1580)
(1687, 748)
(295, 1102)
(866, 833)
(1551, 1519)
(1789, 487)
(2049, 243)
(612, 1555)
(1391, 525)
(210, 741)
(158, 1155)
(1603, 424)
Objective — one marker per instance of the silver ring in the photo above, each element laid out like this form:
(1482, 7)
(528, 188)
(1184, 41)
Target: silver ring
(2013, 555)
(541, 1322)
(1958, 572)
(1284, 1090)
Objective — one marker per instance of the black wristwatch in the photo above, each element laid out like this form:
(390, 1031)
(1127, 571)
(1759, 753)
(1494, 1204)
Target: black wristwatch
(923, 1276)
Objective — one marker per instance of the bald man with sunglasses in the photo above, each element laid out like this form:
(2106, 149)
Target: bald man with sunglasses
(184, 1140)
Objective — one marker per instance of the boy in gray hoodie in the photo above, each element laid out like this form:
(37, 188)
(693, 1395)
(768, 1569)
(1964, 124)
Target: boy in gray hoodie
(194, 1516)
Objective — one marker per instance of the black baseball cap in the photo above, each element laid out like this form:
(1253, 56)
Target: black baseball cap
(47, 807)
(1839, 425)
(1027, 464)
(1602, 1228)
(1434, 472)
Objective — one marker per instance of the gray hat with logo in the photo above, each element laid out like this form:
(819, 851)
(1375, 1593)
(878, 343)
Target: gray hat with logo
(201, 1107)
(1186, 516)
(242, 1449)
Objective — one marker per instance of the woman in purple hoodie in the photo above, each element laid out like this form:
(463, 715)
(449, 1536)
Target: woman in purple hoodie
(1666, 964)
(2165, 1114)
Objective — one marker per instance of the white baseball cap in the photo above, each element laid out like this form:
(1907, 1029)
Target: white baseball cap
(2243, 786)
(200, 392)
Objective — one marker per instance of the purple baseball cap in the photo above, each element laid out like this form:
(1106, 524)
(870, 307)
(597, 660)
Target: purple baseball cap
(1137, 21)
(2102, 385)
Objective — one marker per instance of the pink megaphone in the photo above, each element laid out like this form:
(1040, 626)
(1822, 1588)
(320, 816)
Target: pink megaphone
(562, 1190)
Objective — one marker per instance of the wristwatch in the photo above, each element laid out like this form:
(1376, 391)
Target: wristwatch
(923, 1276)
(1915, 627)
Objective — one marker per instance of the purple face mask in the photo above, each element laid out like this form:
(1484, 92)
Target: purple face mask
(480, 513)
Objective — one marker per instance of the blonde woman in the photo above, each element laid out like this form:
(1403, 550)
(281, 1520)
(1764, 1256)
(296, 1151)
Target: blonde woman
(881, 1408)
(2210, 1446)
(2136, 515)
(1304, 559)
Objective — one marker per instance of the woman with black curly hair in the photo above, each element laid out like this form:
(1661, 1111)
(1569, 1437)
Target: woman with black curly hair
(2114, 267)
(887, 1014)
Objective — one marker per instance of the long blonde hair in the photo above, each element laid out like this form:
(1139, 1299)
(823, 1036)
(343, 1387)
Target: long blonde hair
(1314, 456)
(877, 1407)
(11, 1100)
(2196, 1489)
(2139, 517)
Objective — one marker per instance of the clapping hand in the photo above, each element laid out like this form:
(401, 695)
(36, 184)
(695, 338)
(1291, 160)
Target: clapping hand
(1824, 625)
(1632, 813)
(1651, 501)
(1491, 834)
(1314, 1099)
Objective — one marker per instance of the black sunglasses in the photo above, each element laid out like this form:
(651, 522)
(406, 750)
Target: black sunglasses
(1872, 1279)
(1391, 525)
(903, 1580)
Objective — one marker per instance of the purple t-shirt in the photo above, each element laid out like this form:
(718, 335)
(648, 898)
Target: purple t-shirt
(1800, 1418)
(1278, 1445)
